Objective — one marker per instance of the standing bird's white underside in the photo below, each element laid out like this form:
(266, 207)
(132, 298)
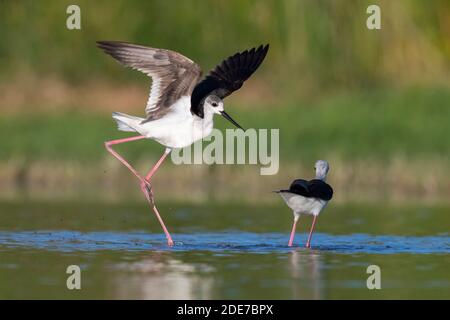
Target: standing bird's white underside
(303, 205)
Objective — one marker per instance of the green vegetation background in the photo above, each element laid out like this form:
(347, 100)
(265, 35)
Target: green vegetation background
(335, 89)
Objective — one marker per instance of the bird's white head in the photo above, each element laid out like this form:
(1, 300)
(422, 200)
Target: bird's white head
(213, 104)
(321, 168)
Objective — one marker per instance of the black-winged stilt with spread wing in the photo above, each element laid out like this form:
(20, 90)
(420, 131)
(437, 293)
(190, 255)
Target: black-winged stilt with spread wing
(181, 106)
(308, 197)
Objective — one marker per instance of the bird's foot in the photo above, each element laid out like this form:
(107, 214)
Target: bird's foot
(170, 242)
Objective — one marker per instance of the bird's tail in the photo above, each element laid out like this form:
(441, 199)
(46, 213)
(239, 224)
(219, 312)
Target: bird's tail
(126, 122)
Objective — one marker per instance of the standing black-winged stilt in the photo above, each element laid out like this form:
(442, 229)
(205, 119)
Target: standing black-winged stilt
(180, 108)
(308, 197)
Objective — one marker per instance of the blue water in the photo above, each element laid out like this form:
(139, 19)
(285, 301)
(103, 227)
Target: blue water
(71, 241)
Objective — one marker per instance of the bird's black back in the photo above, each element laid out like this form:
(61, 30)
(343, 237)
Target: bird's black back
(311, 189)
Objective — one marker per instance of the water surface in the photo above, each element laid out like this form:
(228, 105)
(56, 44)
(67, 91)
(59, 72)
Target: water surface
(221, 252)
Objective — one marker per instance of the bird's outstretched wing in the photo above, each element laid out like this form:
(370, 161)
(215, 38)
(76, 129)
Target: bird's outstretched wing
(227, 76)
(173, 75)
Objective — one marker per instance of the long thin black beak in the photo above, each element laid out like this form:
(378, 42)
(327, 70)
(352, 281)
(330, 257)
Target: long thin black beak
(227, 116)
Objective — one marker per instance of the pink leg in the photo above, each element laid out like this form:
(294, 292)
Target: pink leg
(109, 144)
(149, 195)
(153, 170)
(294, 226)
(308, 243)
(145, 186)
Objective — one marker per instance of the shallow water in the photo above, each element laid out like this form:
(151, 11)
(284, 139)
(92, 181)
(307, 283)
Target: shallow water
(229, 242)
(242, 255)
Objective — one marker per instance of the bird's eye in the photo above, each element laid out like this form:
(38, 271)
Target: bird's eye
(214, 104)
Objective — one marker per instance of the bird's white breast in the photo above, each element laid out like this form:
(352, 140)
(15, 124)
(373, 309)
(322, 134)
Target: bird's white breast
(178, 128)
(303, 205)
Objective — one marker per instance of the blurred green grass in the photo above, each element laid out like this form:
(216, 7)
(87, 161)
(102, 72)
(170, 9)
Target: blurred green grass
(367, 125)
(374, 103)
(316, 46)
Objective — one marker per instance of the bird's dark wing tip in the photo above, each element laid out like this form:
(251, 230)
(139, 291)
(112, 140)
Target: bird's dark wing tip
(105, 44)
(281, 191)
(263, 48)
(102, 43)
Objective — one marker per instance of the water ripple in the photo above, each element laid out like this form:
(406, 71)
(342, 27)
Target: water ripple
(222, 242)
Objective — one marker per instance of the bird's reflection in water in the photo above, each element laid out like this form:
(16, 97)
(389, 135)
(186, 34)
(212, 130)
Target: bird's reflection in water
(160, 276)
(306, 272)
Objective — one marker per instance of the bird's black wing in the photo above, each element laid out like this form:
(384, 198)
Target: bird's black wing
(311, 189)
(227, 77)
(299, 187)
(320, 189)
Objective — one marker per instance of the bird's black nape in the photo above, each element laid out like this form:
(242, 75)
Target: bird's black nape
(227, 77)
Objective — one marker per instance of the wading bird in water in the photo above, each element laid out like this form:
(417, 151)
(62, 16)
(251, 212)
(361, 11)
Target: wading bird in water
(181, 106)
(308, 197)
